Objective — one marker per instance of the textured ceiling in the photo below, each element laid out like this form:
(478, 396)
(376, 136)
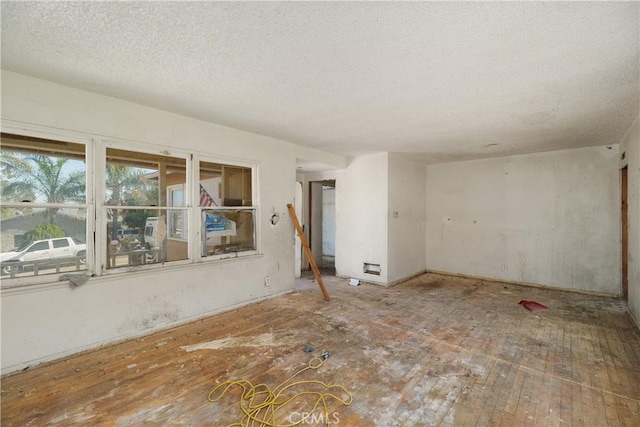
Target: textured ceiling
(440, 81)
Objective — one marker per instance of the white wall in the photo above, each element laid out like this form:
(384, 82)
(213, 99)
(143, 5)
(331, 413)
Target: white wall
(630, 145)
(328, 221)
(361, 217)
(43, 322)
(548, 218)
(407, 189)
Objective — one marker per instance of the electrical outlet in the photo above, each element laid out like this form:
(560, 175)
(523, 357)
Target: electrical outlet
(267, 281)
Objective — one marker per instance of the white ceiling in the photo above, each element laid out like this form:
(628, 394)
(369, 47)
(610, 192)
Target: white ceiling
(440, 81)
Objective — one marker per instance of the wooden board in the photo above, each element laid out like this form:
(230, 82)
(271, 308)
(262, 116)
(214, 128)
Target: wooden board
(307, 250)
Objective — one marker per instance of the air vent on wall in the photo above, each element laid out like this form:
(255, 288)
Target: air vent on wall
(372, 268)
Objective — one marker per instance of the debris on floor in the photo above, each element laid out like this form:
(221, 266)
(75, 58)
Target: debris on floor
(532, 305)
(75, 279)
(354, 282)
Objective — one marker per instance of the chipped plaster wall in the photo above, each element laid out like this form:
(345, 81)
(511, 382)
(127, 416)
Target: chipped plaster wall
(42, 322)
(547, 218)
(630, 145)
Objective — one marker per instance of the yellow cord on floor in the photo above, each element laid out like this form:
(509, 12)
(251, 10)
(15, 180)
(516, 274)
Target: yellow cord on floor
(260, 405)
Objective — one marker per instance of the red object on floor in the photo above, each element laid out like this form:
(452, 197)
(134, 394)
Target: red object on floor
(532, 305)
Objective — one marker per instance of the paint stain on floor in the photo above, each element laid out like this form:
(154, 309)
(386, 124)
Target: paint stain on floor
(262, 340)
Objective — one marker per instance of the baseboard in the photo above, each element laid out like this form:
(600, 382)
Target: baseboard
(633, 319)
(514, 282)
(370, 282)
(386, 285)
(406, 279)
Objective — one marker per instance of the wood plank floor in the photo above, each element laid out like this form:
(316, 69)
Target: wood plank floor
(436, 350)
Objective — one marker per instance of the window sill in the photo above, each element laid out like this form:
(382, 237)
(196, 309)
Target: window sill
(52, 282)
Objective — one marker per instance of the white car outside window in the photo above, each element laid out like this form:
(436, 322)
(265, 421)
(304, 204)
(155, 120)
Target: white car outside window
(38, 251)
(57, 250)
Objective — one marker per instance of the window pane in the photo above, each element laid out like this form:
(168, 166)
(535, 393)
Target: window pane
(177, 197)
(39, 246)
(60, 243)
(143, 237)
(224, 185)
(178, 225)
(210, 184)
(228, 231)
(142, 179)
(33, 244)
(236, 186)
(41, 170)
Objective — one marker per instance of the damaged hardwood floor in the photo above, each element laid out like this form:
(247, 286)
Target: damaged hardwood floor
(436, 350)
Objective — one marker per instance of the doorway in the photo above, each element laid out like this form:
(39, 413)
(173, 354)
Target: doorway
(329, 226)
(297, 244)
(625, 234)
(322, 224)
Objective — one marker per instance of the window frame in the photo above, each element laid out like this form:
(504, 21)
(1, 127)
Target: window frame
(38, 247)
(142, 148)
(66, 243)
(41, 132)
(197, 212)
(95, 207)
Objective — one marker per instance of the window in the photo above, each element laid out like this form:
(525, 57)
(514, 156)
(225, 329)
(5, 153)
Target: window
(138, 207)
(60, 243)
(41, 246)
(177, 223)
(136, 191)
(44, 192)
(227, 211)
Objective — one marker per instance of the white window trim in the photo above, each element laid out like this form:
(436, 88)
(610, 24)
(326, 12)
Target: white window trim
(35, 131)
(196, 213)
(96, 208)
(140, 147)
